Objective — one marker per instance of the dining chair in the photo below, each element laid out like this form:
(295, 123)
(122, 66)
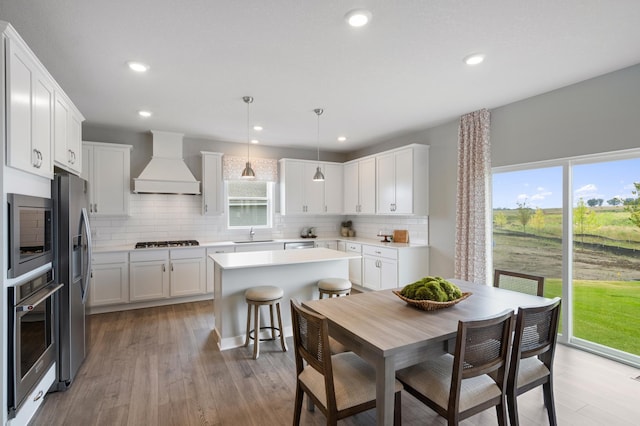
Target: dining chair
(340, 385)
(534, 346)
(516, 281)
(471, 380)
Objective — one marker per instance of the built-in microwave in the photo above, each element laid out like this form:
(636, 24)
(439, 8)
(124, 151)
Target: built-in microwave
(30, 233)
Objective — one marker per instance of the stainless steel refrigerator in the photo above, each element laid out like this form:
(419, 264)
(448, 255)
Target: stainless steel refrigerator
(72, 265)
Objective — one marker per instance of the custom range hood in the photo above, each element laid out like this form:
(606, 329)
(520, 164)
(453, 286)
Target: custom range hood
(166, 173)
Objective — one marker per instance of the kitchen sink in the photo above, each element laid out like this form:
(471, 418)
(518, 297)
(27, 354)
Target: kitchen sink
(252, 241)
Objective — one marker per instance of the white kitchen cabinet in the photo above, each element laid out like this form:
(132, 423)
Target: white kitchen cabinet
(210, 263)
(393, 267)
(333, 244)
(359, 186)
(212, 184)
(380, 267)
(67, 136)
(333, 188)
(355, 265)
(109, 283)
(107, 169)
(402, 181)
(30, 92)
(300, 194)
(148, 275)
(188, 272)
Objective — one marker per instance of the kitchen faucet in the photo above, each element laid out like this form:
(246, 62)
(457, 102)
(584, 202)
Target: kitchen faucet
(251, 233)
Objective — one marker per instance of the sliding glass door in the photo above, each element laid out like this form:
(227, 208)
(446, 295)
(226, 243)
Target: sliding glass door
(572, 221)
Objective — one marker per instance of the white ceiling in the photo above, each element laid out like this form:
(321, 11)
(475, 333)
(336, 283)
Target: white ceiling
(401, 73)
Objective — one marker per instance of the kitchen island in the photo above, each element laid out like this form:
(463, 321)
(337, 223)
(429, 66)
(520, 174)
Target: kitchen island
(295, 271)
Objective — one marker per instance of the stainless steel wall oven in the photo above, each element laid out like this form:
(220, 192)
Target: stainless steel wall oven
(32, 346)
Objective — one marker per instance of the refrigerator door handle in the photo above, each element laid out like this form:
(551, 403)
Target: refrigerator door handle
(89, 253)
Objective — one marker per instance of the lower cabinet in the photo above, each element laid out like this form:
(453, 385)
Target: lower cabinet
(159, 274)
(148, 275)
(188, 272)
(333, 244)
(380, 267)
(393, 267)
(109, 284)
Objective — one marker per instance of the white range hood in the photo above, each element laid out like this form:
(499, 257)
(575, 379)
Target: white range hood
(166, 173)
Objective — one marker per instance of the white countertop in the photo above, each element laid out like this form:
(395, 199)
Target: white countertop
(256, 259)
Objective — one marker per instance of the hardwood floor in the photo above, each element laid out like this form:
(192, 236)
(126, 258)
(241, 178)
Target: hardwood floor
(160, 366)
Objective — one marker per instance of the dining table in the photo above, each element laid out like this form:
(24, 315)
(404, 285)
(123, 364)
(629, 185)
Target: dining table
(390, 334)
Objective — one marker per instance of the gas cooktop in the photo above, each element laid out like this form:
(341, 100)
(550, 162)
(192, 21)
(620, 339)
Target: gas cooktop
(178, 243)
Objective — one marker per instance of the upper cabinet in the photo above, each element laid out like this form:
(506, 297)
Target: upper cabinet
(107, 168)
(212, 184)
(29, 111)
(402, 181)
(67, 137)
(43, 125)
(359, 186)
(300, 194)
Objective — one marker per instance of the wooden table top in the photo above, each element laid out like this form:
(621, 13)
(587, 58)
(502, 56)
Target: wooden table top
(386, 325)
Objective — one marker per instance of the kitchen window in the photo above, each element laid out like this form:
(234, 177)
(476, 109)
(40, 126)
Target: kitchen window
(249, 204)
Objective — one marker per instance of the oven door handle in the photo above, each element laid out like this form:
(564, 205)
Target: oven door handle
(34, 300)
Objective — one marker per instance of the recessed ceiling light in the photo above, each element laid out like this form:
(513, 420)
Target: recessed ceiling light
(138, 66)
(342, 138)
(475, 59)
(257, 128)
(145, 114)
(358, 17)
(255, 141)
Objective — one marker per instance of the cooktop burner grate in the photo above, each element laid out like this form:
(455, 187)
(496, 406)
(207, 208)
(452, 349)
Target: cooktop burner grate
(176, 243)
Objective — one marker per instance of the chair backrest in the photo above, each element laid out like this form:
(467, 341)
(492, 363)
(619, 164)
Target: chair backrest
(516, 281)
(311, 341)
(482, 347)
(536, 333)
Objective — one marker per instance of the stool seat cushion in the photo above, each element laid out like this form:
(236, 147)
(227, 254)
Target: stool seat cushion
(334, 284)
(263, 293)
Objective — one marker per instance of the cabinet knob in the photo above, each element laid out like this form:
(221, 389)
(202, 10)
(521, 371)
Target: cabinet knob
(206, 208)
(164, 268)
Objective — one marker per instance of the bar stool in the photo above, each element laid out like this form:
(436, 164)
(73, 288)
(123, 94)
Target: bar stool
(334, 287)
(256, 297)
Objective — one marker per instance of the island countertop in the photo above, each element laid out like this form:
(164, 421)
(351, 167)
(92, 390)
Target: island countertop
(278, 257)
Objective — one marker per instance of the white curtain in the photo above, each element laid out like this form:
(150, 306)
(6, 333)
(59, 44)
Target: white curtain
(266, 169)
(474, 173)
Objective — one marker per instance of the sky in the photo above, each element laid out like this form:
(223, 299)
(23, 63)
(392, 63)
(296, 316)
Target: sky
(543, 187)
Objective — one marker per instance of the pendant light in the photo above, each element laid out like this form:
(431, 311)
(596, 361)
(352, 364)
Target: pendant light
(248, 172)
(318, 177)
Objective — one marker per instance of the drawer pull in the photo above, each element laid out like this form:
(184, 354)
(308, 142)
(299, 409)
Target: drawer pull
(38, 396)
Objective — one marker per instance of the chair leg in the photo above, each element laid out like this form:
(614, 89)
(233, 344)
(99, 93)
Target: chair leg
(273, 330)
(256, 333)
(246, 339)
(297, 411)
(547, 390)
(397, 410)
(501, 411)
(282, 341)
(512, 401)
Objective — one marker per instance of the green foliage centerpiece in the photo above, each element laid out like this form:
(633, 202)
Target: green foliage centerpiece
(431, 293)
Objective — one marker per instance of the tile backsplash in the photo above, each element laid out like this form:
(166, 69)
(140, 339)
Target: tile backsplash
(157, 217)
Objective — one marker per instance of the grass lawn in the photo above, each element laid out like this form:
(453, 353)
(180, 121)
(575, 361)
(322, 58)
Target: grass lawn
(605, 312)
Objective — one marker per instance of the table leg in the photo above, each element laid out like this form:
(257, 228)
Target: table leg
(385, 390)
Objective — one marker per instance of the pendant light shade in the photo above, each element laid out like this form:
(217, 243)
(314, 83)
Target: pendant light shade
(248, 172)
(318, 177)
